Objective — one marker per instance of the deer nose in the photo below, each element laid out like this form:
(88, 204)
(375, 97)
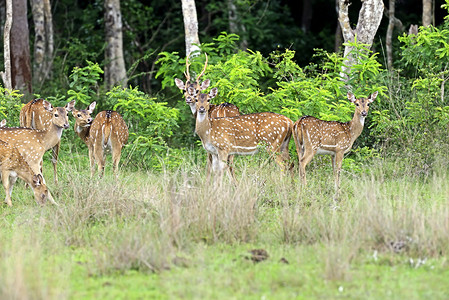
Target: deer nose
(89, 120)
(364, 113)
(66, 125)
(202, 110)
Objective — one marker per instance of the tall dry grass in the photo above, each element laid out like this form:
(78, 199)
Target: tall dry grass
(149, 221)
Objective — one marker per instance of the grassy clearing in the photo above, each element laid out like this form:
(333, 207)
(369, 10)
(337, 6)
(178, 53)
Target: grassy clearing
(170, 234)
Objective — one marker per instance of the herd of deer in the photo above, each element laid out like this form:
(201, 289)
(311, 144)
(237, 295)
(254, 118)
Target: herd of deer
(22, 148)
(223, 131)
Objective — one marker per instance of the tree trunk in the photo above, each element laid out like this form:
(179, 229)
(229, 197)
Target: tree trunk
(6, 75)
(43, 40)
(40, 39)
(114, 71)
(370, 16)
(426, 12)
(235, 26)
(20, 48)
(306, 19)
(389, 37)
(190, 25)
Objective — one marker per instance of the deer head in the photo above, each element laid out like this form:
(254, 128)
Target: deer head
(362, 105)
(192, 84)
(83, 116)
(40, 189)
(60, 114)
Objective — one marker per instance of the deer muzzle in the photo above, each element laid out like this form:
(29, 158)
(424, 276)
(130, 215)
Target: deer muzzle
(364, 113)
(202, 110)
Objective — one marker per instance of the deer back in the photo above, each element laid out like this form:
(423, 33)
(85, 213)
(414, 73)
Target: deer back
(244, 133)
(34, 115)
(109, 128)
(323, 135)
(223, 110)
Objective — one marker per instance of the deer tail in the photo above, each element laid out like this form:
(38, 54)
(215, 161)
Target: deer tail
(298, 136)
(107, 127)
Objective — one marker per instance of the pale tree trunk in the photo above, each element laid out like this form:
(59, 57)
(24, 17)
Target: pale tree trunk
(114, 71)
(427, 12)
(6, 75)
(190, 25)
(392, 23)
(235, 26)
(20, 48)
(48, 63)
(370, 16)
(43, 40)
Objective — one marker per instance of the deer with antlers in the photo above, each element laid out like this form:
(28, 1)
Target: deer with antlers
(242, 134)
(314, 136)
(32, 143)
(13, 165)
(215, 111)
(35, 115)
(107, 130)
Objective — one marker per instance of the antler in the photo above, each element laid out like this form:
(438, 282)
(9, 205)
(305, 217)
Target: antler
(187, 73)
(202, 73)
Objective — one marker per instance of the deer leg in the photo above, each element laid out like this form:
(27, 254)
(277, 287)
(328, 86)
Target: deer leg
(8, 188)
(305, 159)
(54, 160)
(99, 157)
(91, 161)
(336, 163)
(231, 165)
(116, 153)
(209, 166)
(223, 158)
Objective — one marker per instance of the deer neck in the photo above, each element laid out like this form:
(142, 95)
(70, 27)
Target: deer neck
(82, 132)
(356, 126)
(49, 138)
(203, 126)
(25, 173)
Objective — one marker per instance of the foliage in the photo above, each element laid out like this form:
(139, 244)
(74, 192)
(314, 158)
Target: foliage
(150, 123)
(10, 106)
(84, 83)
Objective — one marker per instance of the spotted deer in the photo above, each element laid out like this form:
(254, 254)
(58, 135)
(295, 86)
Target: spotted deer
(13, 165)
(35, 115)
(32, 143)
(107, 130)
(314, 136)
(215, 111)
(242, 134)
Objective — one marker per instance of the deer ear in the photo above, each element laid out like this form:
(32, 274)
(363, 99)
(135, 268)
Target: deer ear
(351, 97)
(3, 123)
(373, 97)
(92, 107)
(70, 106)
(213, 93)
(37, 180)
(180, 84)
(47, 105)
(205, 84)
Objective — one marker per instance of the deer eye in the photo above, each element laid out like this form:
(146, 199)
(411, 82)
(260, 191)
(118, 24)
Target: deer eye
(357, 104)
(78, 115)
(56, 115)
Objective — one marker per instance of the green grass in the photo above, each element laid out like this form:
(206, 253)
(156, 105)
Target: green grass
(172, 235)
